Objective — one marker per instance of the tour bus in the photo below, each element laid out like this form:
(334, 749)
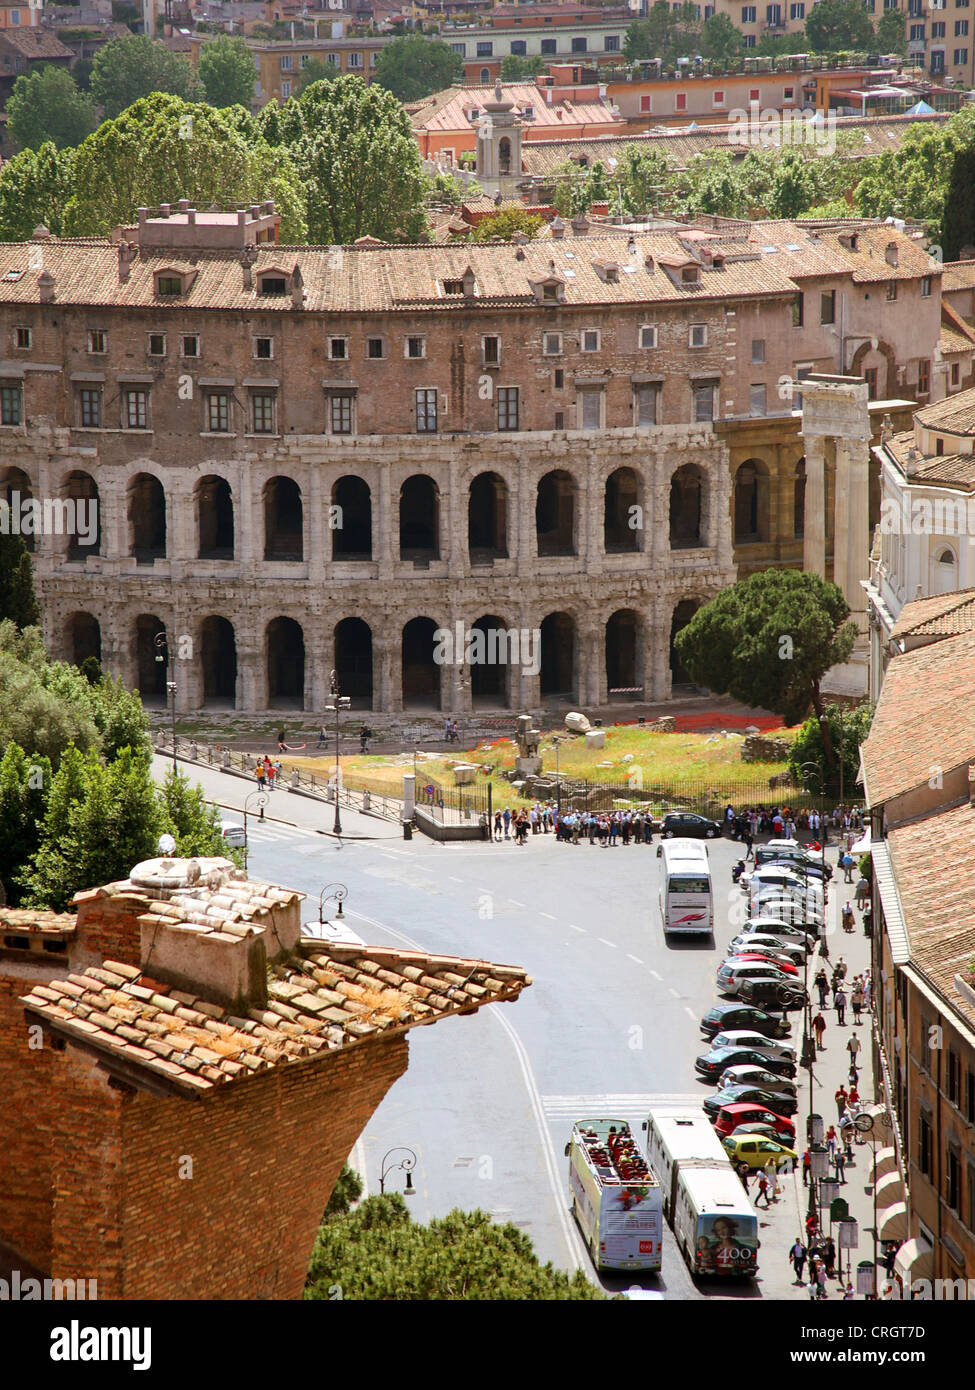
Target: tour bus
(615, 1196)
(679, 1135)
(686, 896)
(714, 1223)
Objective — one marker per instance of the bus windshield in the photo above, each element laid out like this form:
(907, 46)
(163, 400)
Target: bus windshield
(685, 883)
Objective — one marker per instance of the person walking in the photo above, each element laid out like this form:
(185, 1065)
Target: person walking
(819, 1028)
(497, 825)
(839, 1163)
(322, 737)
(797, 1254)
(821, 1279)
(506, 820)
(763, 1188)
(856, 1001)
(806, 1165)
(841, 1098)
(281, 743)
(822, 984)
(853, 1048)
(261, 775)
(839, 1004)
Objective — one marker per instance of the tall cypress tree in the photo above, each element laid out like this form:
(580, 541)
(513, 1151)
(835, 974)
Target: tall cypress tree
(958, 226)
(17, 600)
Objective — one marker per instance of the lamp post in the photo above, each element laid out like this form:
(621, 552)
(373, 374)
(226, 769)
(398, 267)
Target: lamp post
(556, 741)
(262, 802)
(339, 893)
(341, 702)
(407, 1164)
(162, 655)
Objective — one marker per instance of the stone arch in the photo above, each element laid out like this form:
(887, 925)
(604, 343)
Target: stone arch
(214, 504)
(15, 490)
(688, 491)
(419, 519)
(799, 498)
(504, 155)
(558, 677)
(624, 648)
(487, 519)
(146, 510)
(353, 660)
(750, 505)
(421, 673)
(285, 646)
(485, 76)
(283, 520)
(150, 659)
(684, 611)
(555, 513)
(857, 366)
(218, 659)
(351, 523)
(84, 535)
(621, 504)
(491, 676)
(84, 638)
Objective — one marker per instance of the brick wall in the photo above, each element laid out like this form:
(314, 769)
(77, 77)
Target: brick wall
(26, 1090)
(108, 928)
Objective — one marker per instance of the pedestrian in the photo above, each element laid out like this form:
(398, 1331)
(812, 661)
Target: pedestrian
(890, 1254)
(806, 1164)
(812, 1223)
(849, 918)
(819, 1028)
(749, 845)
(270, 769)
(848, 1293)
(322, 737)
(797, 1255)
(839, 1163)
(822, 984)
(763, 1188)
(839, 1004)
(821, 1279)
(261, 777)
(853, 1048)
(840, 1097)
(506, 818)
(365, 734)
(812, 1286)
(281, 744)
(831, 1140)
(856, 1000)
(846, 1133)
(829, 1256)
(773, 1180)
(497, 825)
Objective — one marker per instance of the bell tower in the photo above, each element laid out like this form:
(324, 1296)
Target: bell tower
(498, 166)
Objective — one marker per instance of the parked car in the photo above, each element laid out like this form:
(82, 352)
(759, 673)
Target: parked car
(755, 1151)
(710, 1065)
(781, 851)
(744, 1112)
(732, 972)
(232, 833)
(688, 823)
(729, 1095)
(767, 944)
(785, 966)
(757, 1076)
(741, 1037)
(776, 926)
(724, 1016)
(755, 1131)
(769, 992)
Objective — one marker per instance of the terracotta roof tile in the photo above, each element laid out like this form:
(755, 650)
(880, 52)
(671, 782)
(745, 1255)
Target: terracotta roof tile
(942, 614)
(955, 414)
(957, 275)
(447, 110)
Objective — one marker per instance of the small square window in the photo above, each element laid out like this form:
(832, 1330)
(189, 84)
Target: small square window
(156, 345)
(25, 338)
(698, 335)
(416, 347)
(264, 348)
(218, 412)
(135, 409)
(262, 412)
(340, 413)
(169, 285)
(189, 345)
(10, 400)
(758, 350)
(648, 336)
(272, 284)
(338, 349)
(590, 340)
(97, 340)
(553, 344)
(375, 349)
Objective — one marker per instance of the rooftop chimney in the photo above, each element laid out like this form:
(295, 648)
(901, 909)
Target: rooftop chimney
(125, 257)
(297, 288)
(46, 287)
(558, 229)
(183, 205)
(890, 254)
(164, 209)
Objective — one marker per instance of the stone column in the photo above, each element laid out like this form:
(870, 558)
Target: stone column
(319, 662)
(180, 519)
(814, 512)
(251, 675)
(386, 657)
(841, 518)
(657, 516)
(249, 524)
(317, 538)
(658, 648)
(858, 526)
(385, 527)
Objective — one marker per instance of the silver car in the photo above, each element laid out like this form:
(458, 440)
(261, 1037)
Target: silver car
(754, 1042)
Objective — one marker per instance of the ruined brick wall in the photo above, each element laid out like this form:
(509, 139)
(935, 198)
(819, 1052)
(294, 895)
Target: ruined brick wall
(108, 929)
(28, 1102)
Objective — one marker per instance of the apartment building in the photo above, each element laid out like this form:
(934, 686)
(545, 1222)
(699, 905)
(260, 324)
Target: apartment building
(279, 62)
(559, 35)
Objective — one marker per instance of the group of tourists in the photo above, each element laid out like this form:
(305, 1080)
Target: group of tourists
(787, 822)
(821, 1254)
(268, 773)
(572, 827)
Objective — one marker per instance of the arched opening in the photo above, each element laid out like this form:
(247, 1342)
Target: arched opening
(504, 155)
(15, 490)
(799, 500)
(419, 520)
(147, 518)
(421, 674)
(485, 76)
(751, 502)
(487, 519)
(85, 519)
(285, 663)
(621, 510)
(283, 523)
(624, 656)
(219, 657)
(558, 657)
(351, 520)
(152, 675)
(491, 674)
(353, 660)
(683, 614)
(555, 514)
(84, 638)
(686, 512)
(215, 518)
(945, 577)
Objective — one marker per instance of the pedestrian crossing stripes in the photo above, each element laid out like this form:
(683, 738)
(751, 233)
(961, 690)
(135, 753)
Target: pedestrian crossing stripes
(267, 833)
(627, 1106)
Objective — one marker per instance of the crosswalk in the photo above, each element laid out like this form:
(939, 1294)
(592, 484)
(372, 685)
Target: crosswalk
(631, 1106)
(271, 832)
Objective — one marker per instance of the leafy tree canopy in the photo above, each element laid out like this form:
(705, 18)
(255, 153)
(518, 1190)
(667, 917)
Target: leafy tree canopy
(514, 67)
(316, 70)
(17, 601)
(227, 72)
(720, 38)
(135, 66)
(46, 105)
(35, 188)
(808, 761)
(832, 25)
(506, 223)
(414, 67)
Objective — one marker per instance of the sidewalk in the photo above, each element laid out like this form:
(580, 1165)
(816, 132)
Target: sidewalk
(786, 1218)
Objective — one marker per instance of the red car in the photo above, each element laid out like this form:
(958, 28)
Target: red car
(748, 1113)
(779, 964)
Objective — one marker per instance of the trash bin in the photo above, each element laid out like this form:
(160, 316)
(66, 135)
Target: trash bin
(407, 830)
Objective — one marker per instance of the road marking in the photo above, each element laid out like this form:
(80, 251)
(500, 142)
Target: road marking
(514, 901)
(453, 878)
(654, 974)
(573, 927)
(631, 1107)
(549, 915)
(671, 990)
(689, 1011)
(605, 942)
(635, 959)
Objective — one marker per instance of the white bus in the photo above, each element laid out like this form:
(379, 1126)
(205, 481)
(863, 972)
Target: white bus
(686, 896)
(615, 1196)
(677, 1135)
(714, 1223)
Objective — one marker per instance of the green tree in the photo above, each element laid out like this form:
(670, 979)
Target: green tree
(317, 70)
(377, 1253)
(17, 601)
(227, 71)
(892, 32)
(645, 176)
(46, 105)
(119, 718)
(35, 188)
(832, 25)
(24, 785)
(913, 180)
(412, 68)
(191, 819)
(958, 221)
(794, 186)
(506, 223)
(665, 33)
(136, 66)
(769, 640)
(720, 38)
(515, 68)
(345, 1193)
(44, 706)
(358, 160)
(847, 729)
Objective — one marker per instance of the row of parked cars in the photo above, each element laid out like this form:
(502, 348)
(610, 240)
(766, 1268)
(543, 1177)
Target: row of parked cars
(749, 1061)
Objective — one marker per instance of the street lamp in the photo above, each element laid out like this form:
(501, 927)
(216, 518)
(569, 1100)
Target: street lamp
(341, 702)
(162, 655)
(556, 741)
(262, 802)
(407, 1164)
(339, 892)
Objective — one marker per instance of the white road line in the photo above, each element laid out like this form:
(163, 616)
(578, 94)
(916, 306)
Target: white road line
(573, 927)
(635, 959)
(689, 1011)
(654, 974)
(454, 879)
(671, 990)
(515, 903)
(549, 915)
(573, 1241)
(605, 942)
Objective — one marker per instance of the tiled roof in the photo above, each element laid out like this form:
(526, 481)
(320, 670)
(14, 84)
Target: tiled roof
(955, 414)
(956, 471)
(33, 921)
(956, 336)
(934, 869)
(328, 998)
(35, 43)
(942, 615)
(447, 110)
(957, 275)
(925, 718)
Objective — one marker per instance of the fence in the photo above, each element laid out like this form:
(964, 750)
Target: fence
(454, 805)
(706, 800)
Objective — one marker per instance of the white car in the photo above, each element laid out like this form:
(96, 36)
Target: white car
(731, 973)
(232, 833)
(774, 926)
(749, 1075)
(756, 1042)
(767, 944)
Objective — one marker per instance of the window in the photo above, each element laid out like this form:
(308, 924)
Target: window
(827, 307)
(97, 340)
(953, 1077)
(916, 33)
(749, 41)
(303, 60)
(717, 98)
(797, 311)
(937, 32)
(338, 349)
(416, 347)
(272, 284)
(560, 419)
(460, 48)
(698, 336)
(923, 377)
(590, 409)
(559, 379)
(939, 445)
(375, 349)
(218, 412)
(14, 18)
(491, 350)
(135, 408)
(797, 11)
(773, 16)
(264, 348)
(648, 335)
(960, 58)
(507, 407)
(680, 101)
(90, 407)
(285, 90)
(426, 412)
(870, 377)
(955, 374)
(612, 43)
(340, 412)
(287, 62)
(758, 349)
(754, 94)
(756, 400)
(971, 1198)
(169, 285)
(262, 412)
(10, 411)
(748, 13)
(590, 340)
(646, 103)
(953, 1178)
(961, 28)
(924, 1146)
(891, 290)
(552, 344)
(579, 45)
(156, 345)
(355, 60)
(519, 47)
(549, 45)
(788, 93)
(189, 345)
(24, 338)
(925, 286)
(703, 392)
(970, 1105)
(645, 399)
(485, 49)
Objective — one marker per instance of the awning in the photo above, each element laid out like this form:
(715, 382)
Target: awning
(889, 1190)
(862, 845)
(881, 1118)
(886, 1162)
(893, 1225)
(914, 1260)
